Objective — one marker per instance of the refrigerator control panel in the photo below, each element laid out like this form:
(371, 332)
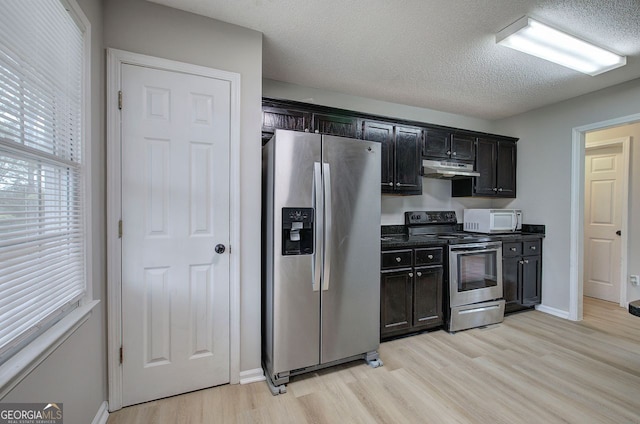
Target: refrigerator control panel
(297, 231)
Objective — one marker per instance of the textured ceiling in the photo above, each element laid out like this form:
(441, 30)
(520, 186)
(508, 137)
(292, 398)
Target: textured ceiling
(435, 54)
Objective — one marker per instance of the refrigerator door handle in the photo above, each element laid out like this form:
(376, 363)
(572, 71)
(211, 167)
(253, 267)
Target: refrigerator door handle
(326, 275)
(317, 200)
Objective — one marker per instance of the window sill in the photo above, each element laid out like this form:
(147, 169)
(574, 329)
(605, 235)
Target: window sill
(22, 363)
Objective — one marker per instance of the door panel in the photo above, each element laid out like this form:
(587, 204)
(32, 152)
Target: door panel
(506, 168)
(602, 247)
(396, 300)
(175, 203)
(351, 293)
(427, 296)
(486, 165)
(383, 134)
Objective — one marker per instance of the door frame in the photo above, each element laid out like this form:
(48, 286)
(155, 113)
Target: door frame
(576, 251)
(624, 143)
(115, 60)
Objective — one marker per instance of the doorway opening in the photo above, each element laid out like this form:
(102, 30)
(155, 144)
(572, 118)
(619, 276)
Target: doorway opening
(614, 132)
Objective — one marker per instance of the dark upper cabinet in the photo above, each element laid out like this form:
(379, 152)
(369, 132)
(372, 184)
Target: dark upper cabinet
(442, 144)
(340, 125)
(407, 161)
(496, 163)
(285, 118)
(506, 169)
(400, 156)
(383, 134)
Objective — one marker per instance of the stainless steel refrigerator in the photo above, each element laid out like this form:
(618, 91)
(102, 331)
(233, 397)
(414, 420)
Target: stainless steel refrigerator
(321, 253)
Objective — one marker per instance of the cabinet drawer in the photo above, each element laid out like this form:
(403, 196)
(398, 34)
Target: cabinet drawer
(511, 249)
(531, 247)
(396, 259)
(429, 256)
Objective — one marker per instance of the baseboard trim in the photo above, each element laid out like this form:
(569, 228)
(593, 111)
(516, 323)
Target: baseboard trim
(102, 415)
(553, 311)
(252, 376)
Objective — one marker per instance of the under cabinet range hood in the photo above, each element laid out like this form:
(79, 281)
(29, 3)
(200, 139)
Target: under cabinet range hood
(447, 169)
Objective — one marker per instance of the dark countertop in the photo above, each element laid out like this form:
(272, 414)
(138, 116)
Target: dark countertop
(395, 237)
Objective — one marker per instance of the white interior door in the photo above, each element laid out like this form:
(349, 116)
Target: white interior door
(175, 210)
(603, 218)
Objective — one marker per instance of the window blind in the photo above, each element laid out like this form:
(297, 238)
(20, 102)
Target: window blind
(42, 248)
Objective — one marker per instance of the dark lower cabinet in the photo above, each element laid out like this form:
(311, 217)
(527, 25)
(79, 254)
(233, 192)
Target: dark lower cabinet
(427, 296)
(411, 297)
(395, 304)
(522, 274)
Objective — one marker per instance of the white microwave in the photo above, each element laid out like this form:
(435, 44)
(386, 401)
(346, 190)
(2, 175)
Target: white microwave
(492, 220)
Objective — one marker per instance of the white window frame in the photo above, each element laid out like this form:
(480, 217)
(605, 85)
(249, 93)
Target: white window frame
(18, 366)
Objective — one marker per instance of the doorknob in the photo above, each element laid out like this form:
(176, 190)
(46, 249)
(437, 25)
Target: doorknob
(219, 249)
(619, 233)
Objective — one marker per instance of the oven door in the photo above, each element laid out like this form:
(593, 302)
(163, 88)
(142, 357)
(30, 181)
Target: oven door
(475, 273)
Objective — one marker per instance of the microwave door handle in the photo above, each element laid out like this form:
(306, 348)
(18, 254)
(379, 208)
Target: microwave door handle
(514, 221)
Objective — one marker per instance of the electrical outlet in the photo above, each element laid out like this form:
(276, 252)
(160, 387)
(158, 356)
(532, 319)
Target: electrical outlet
(634, 280)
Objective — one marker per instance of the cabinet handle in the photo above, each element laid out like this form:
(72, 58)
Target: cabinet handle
(397, 184)
(533, 248)
(448, 152)
(453, 154)
(526, 261)
(306, 130)
(495, 189)
(391, 184)
(317, 131)
(430, 256)
(500, 189)
(520, 262)
(419, 274)
(411, 274)
(513, 249)
(398, 259)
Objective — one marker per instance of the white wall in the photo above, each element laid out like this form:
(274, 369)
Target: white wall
(544, 174)
(76, 373)
(147, 28)
(436, 193)
(633, 252)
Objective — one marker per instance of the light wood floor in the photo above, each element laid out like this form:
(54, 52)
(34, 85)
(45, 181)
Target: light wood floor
(532, 368)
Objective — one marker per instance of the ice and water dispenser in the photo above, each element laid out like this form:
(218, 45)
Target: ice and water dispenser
(297, 231)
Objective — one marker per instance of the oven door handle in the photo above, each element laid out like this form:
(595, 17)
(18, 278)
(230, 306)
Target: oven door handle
(482, 249)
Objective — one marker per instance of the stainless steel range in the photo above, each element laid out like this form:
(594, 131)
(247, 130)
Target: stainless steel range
(473, 295)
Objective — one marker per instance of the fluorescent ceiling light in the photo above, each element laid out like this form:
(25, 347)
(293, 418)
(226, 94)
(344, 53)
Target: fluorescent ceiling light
(532, 37)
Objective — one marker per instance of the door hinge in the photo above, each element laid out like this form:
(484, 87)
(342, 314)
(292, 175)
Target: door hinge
(120, 100)
(121, 355)
(120, 229)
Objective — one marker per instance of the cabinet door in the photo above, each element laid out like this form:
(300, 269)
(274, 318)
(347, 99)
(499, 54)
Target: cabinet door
(408, 161)
(510, 272)
(427, 297)
(437, 144)
(463, 148)
(395, 300)
(531, 280)
(382, 133)
(506, 169)
(343, 126)
(486, 151)
(287, 119)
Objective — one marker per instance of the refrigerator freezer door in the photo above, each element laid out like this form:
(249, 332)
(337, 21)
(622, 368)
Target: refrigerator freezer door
(351, 293)
(293, 319)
